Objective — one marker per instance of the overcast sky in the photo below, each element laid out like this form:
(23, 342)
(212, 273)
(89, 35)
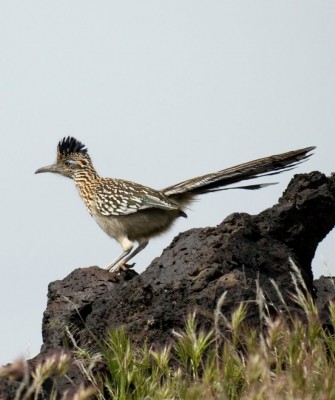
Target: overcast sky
(159, 91)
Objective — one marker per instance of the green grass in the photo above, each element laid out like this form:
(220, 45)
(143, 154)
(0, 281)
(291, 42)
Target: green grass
(290, 359)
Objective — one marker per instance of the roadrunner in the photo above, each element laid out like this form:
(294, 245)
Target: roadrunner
(130, 212)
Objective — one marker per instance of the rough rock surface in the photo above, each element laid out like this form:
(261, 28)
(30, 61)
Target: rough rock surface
(196, 269)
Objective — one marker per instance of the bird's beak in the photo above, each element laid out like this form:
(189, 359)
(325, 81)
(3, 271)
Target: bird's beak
(50, 168)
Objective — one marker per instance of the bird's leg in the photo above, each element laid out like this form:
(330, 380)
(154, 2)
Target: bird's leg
(127, 247)
(141, 245)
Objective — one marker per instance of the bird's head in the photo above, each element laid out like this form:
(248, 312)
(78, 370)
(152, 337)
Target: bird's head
(72, 158)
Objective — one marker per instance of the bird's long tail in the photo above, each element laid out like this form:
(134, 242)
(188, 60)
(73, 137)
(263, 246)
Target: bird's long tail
(254, 169)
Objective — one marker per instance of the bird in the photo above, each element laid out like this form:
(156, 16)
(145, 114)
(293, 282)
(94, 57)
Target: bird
(130, 212)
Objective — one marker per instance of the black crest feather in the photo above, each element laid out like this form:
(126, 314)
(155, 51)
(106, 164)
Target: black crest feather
(70, 145)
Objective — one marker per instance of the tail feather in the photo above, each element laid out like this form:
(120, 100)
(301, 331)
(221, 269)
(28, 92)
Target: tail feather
(216, 181)
(246, 187)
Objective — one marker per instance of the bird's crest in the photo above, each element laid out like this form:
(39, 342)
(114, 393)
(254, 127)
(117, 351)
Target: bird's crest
(70, 145)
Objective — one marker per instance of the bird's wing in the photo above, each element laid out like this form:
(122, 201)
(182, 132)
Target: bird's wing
(119, 197)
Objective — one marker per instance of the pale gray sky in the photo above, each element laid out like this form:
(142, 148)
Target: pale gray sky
(159, 91)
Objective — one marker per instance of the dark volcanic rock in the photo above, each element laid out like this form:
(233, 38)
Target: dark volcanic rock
(195, 270)
(71, 302)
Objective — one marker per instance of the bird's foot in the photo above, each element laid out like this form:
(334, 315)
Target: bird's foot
(121, 266)
(123, 272)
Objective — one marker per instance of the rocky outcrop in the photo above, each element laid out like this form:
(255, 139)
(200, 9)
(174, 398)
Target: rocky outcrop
(195, 270)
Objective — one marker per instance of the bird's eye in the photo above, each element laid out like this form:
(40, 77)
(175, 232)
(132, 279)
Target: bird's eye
(70, 162)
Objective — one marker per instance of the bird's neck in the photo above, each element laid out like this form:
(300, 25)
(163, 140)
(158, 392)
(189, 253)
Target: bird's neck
(86, 182)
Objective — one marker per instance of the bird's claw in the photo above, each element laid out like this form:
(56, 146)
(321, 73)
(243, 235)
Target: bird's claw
(122, 267)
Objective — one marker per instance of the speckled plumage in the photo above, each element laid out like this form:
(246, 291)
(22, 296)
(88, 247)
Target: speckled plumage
(130, 212)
